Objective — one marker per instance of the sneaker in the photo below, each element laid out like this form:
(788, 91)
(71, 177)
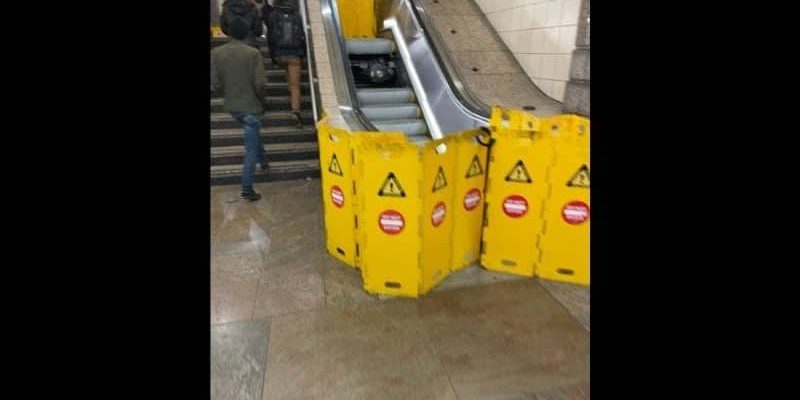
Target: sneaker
(250, 196)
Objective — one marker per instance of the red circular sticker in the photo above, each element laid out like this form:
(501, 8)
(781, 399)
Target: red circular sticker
(337, 196)
(438, 214)
(391, 222)
(515, 206)
(472, 199)
(575, 212)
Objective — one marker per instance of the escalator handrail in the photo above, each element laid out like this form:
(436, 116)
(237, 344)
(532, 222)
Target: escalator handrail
(316, 103)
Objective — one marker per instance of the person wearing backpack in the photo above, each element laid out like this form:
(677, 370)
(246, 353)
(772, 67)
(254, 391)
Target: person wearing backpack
(237, 70)
(247, 10)
(287, 45)
(266, 10)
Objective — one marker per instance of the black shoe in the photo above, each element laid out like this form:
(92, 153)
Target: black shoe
(297, 120)
(250, 196)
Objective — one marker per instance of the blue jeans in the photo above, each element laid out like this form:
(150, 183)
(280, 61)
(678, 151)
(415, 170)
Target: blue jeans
(254, 149)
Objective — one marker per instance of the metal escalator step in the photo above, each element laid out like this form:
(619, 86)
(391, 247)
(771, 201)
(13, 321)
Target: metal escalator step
(368, 96)
(407, 126)
(369, 46)
(380, 112)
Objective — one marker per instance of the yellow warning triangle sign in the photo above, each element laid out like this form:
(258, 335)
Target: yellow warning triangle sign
(475, 168)
(519, 174)
(334, 167)
(581, 178)
(440, 181)
(391, 187)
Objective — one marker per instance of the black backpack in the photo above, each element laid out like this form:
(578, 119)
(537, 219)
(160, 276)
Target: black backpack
(287, 30)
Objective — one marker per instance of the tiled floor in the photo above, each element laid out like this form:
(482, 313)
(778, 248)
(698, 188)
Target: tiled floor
(238, 359)
(290, 322)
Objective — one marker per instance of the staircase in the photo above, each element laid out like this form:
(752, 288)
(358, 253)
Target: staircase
(292, 152)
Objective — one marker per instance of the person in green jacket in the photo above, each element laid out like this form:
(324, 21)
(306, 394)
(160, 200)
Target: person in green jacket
(237, 70)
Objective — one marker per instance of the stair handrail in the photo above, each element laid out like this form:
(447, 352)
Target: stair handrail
(313, 83)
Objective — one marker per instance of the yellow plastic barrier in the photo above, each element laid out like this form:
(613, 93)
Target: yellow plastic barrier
(469, 198)
(339, 175)
(438, 212)
(516, 192)
(565, 240)
(338, 192)
(357, 18)
(406, 217)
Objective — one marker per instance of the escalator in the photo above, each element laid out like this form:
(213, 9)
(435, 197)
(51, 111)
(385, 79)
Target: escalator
(383, 90)
(398, 81)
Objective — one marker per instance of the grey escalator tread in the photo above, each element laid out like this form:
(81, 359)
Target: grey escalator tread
(407, 126)
(402, 121)
(387, 89)
(377, 112)
(369, 96)
(370, 46)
